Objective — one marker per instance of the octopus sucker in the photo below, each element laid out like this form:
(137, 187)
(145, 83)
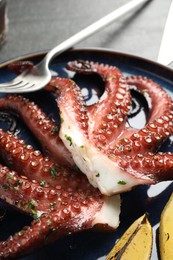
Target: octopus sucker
(40, 125)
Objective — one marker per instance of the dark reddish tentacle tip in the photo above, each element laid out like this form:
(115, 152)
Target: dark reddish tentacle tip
(80, 66)
(20, 66)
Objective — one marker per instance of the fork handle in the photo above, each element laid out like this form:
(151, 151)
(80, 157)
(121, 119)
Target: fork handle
(91, 29)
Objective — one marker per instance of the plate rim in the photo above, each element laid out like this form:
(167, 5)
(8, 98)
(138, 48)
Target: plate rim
(40, 53)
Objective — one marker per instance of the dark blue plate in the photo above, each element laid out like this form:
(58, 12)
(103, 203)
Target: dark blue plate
(94, 244)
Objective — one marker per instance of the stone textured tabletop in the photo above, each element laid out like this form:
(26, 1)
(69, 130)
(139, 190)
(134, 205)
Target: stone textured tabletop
(36, 25)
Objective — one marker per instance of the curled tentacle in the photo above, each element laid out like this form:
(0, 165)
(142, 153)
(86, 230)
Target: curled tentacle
(159, 124)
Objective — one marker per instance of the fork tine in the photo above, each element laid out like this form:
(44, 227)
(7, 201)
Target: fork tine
(20, 84)
(18, 87)
(10, 84)
(26, 86)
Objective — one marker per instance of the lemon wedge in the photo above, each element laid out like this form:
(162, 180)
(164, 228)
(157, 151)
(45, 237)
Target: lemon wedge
(166, 231)
(136, 242)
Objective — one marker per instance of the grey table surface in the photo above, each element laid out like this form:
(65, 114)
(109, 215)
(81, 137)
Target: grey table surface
(36, 25)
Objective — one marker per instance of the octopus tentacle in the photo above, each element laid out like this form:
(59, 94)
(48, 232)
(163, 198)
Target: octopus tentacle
(32, 198)
(155, 93)
(40, 232)
(58, 211)
(40, 125)
(72, 101)
(159, 125)
(29, 162)
(24, 194)
(159, 167)
(106, 117)
(20, 66)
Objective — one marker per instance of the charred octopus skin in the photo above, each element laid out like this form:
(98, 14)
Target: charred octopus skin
(114, 156)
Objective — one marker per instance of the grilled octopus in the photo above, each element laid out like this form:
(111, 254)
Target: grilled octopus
(98, 139)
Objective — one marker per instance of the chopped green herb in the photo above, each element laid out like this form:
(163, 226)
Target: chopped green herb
(53, 172)
(68, 138)
(98, 175)
(121, 182)
(42, 183)
(55, 129)
(9, 176)
(32, 204)
(121, 148)
(82, 146)
(34, 212)
(6, 186)
(112, 155)
(52, 205)
(15, 188)
(61, 120)
(17, 183)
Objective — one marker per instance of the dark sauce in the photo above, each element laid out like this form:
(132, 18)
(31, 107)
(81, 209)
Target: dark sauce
(92, 88)
(140, 109)
(10, 122)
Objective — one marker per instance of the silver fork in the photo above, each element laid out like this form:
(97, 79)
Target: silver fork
(40, 75)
